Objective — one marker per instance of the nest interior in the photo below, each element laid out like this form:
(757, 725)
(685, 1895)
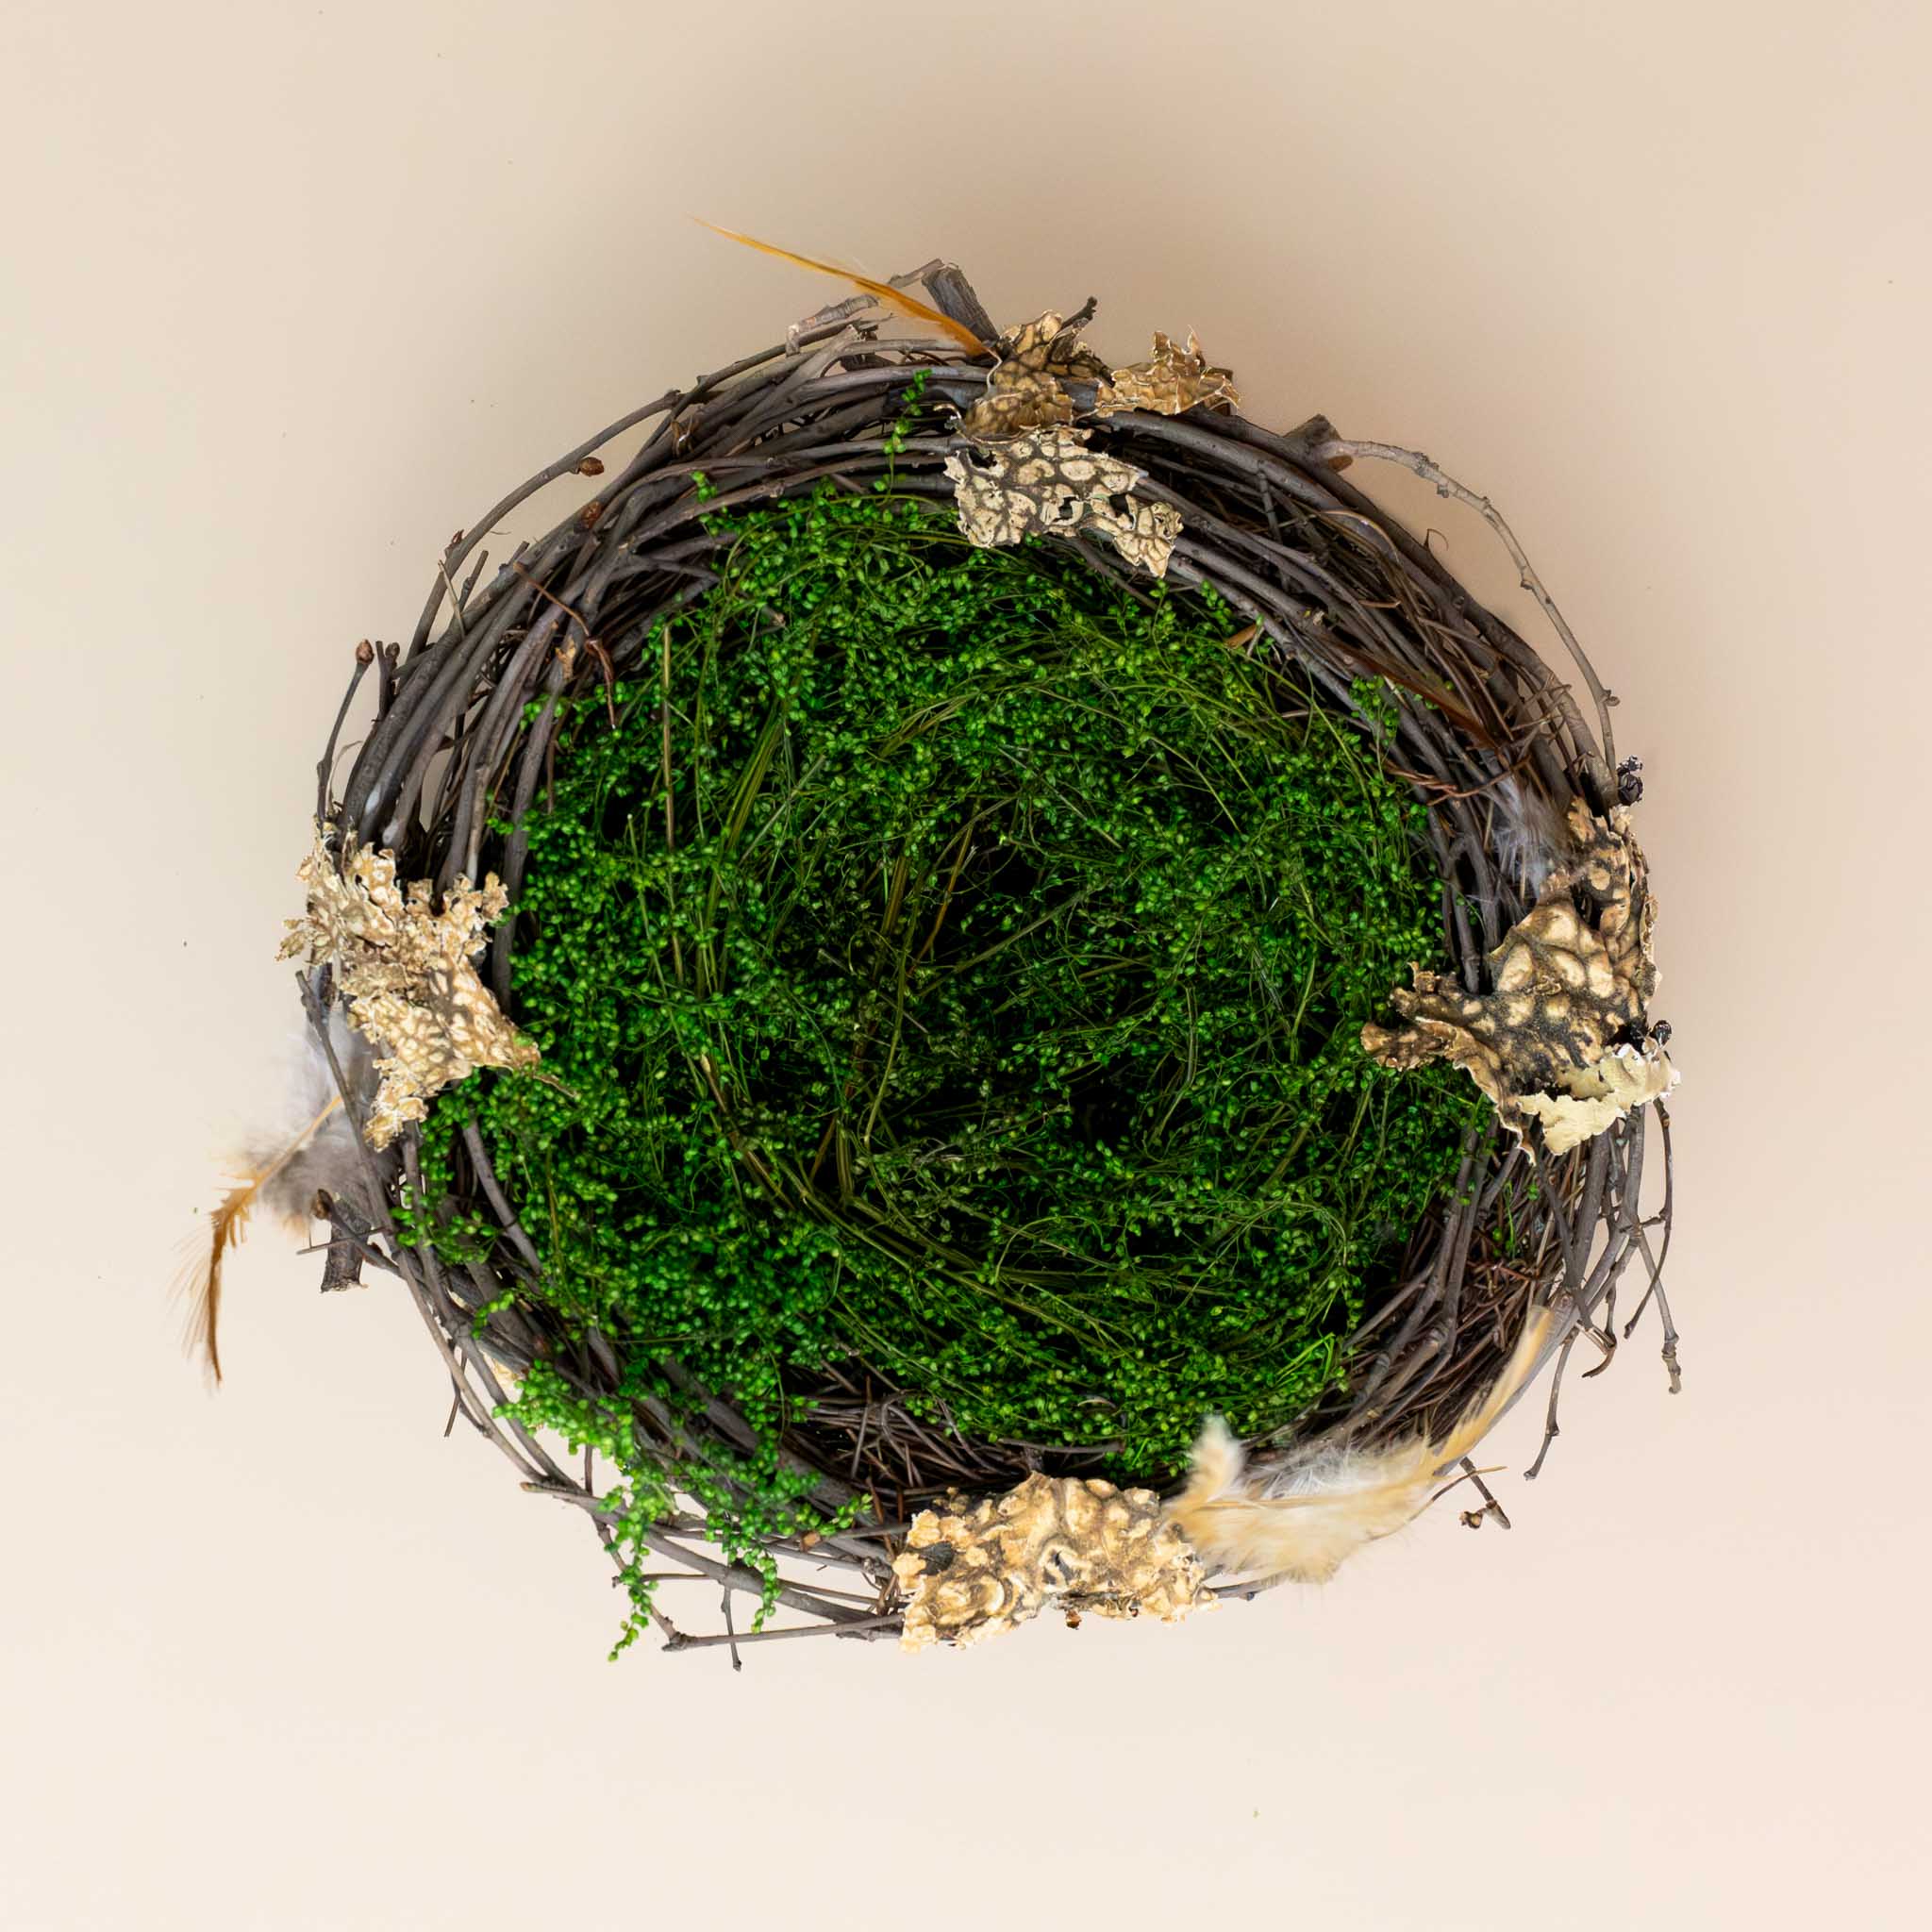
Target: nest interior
(524, 701)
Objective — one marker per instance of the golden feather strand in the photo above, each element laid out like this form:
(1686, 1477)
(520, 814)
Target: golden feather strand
(200, 1281)
(882, 293)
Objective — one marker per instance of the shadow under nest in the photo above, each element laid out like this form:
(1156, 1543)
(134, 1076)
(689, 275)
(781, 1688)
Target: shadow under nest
(1331, 588)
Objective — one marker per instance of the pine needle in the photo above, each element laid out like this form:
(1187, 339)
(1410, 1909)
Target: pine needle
(200, 1281)
(882, 293)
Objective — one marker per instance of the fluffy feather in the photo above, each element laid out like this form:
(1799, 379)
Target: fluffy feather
(1528, 835)
(1304, 1521)
(329, 1158)
(279, 1171)
(884, 293)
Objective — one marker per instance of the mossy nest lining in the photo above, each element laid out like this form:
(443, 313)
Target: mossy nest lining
(949, 965)
(977, 1009)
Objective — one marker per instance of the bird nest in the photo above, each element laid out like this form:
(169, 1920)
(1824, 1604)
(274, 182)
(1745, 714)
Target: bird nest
(1144, 480)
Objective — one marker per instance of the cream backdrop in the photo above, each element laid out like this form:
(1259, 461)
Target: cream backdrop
(292, 291)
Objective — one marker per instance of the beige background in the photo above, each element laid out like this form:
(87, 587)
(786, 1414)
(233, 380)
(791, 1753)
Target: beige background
(294, 291)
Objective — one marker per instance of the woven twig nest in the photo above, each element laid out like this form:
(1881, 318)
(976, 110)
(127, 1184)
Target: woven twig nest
(1145, 482)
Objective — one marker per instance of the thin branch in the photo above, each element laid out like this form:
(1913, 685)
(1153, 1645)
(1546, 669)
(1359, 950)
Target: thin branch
(844, 1626)
(325, 766)
(1447, 486)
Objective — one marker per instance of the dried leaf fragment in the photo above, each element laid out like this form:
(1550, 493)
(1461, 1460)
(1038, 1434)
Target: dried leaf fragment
(406, 975)
(976, 1571)
(1050, 481)
(1170, 381)
(1563, 1039)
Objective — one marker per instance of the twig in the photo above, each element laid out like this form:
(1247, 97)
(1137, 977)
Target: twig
(1447, 486)
(1474, 1518)
(844, 1626)
(1550, 1429)
(365, 656)
(591, 642)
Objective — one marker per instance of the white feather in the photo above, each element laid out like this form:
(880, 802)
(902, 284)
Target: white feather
(280, 1169)
(1304, 1520)
(329, 1158)
(1528, 835)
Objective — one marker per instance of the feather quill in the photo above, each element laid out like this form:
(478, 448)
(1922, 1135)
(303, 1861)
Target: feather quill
(884, 293)
(1305, 1520)
(279, 1174)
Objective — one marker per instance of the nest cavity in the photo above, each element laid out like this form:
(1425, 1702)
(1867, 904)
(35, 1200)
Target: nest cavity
(950, 967)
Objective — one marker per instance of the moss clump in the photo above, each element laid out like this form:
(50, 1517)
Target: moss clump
(956, 960)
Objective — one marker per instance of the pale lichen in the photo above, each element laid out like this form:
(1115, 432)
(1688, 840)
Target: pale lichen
(405, 973)
(1048, 480)
(1029, 470)
(976, 1570)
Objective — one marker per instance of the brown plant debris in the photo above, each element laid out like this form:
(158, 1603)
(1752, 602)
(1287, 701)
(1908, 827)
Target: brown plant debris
(1563, 1039)
(1170, 381)
(1024, 391)
(405, 973)
(1050, 479)
(976, 1570)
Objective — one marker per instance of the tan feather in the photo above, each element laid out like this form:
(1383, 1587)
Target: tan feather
(200, 1280)
(1304, 1521)
(882, 293)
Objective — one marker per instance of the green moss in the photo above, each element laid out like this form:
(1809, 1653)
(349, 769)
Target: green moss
(980, 996)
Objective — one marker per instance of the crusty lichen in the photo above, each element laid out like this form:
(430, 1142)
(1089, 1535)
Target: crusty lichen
(1563, 1040)
(1591, 1099)
(1030, 471)
(405, 973)
(976, 1570)
(1025, 388)
(1049, 480)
